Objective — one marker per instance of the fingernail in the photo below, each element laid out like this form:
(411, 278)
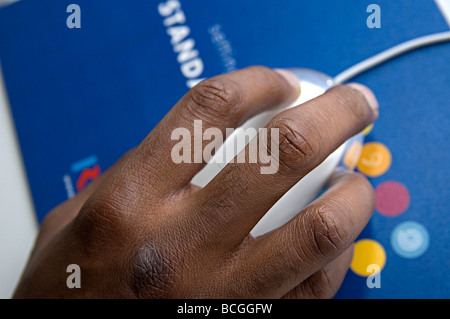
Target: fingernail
(290, 77)
(368, 94)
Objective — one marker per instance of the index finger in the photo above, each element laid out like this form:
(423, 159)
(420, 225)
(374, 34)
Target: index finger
(221, 102)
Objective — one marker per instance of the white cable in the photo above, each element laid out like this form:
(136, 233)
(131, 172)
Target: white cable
(389, 54)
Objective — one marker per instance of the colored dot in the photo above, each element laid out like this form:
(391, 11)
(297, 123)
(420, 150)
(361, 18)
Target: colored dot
(410, 239)
(367, 253)
(352, 155)
(368, 129)
(392, 198)
(375, 159)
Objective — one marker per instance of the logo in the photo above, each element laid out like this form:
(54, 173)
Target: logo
(83, 172)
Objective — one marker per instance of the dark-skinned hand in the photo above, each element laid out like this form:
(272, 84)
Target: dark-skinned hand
(142, 230)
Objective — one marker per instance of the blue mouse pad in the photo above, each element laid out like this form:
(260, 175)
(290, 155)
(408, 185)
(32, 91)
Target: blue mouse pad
(81, 97)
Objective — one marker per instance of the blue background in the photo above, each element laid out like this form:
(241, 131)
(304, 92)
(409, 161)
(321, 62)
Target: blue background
(100, 90)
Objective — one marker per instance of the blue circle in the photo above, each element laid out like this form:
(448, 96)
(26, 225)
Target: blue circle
(410, 239)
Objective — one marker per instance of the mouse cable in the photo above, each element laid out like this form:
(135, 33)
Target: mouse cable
(389, 54)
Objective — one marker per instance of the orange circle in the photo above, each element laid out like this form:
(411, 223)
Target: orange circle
(368, 255)
(375, 159)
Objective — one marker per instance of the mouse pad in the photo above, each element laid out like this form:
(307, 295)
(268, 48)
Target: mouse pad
(81, 97)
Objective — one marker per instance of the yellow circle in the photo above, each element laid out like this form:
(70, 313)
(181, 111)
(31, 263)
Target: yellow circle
(352, 156)
(375, 159)
(368, 257)
(368, 129)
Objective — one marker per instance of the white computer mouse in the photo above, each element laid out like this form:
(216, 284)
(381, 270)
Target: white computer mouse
(313, 84)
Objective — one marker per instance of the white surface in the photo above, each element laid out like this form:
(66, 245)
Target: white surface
(18, 226)
(444, 6)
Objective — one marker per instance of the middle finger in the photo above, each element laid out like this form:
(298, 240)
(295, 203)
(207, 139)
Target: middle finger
(237, 198)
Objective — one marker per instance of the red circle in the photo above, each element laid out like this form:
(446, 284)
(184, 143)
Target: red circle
(392, 198)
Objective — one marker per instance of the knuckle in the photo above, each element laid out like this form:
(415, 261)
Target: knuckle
(216, 98)
(328, 236)
(350, 99)
(101, 211)
(116, 203)
(100, 222)
(298, 143)
(153, 273)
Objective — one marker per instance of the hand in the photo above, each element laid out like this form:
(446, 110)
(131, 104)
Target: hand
(143, 230)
